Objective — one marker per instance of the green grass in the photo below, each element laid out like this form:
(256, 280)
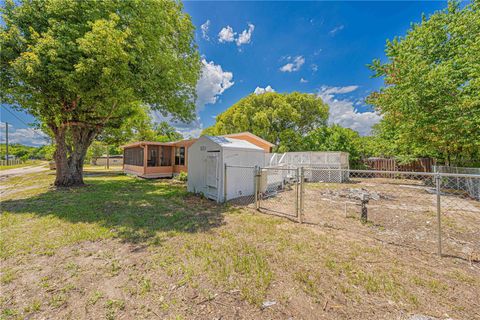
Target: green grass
(109, 206)
(8, 275)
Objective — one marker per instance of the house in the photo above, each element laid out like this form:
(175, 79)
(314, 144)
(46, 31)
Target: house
(207, 163)
(250, 137)
(113, 160)
(166, 159)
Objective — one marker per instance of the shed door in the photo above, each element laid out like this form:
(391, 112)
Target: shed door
(212, 170)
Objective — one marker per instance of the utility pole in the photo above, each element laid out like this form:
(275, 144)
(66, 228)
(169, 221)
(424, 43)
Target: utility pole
(6, 140)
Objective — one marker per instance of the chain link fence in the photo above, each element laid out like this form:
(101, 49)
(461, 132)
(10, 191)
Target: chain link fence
(434, 212)
(414, 209)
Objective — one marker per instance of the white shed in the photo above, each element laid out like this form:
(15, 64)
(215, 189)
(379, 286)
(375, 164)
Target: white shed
(206, 167)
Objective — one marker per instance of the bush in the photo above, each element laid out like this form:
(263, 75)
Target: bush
(182, 176)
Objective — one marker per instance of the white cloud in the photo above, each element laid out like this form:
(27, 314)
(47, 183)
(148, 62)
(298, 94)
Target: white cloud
(314, 67)
(259, 90)
(293, 66)
(226, 34)
(336, 30)
(204, 27)
(246, 35)
(342, 111)
(338, 90)
(25, 136)
(303, 80)
(211, 85)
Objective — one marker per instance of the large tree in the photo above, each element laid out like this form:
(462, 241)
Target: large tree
(82, 66)
(281, 118)
(431, 99)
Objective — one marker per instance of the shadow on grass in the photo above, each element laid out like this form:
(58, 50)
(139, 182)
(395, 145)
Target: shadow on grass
(133, 209)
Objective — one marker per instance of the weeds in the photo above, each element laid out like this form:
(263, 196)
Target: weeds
(8, 275)
(94, 297)
(112, 307)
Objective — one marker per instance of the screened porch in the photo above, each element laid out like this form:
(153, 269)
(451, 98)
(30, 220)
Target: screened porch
(155, 159)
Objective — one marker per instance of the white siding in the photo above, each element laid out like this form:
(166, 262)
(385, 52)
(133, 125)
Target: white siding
(240, 181)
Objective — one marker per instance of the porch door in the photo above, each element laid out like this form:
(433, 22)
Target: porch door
(153, 156)
(212, 175)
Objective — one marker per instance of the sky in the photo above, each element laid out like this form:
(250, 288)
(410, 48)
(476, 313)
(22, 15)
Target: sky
(252, 47)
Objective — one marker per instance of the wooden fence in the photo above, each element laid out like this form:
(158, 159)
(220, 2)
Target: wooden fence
(388, 164)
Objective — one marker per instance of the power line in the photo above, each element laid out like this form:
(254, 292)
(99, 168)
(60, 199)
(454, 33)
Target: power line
(21, 120)
(13, 114)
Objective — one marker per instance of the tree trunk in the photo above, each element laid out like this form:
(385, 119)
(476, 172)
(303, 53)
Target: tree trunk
(70, 154)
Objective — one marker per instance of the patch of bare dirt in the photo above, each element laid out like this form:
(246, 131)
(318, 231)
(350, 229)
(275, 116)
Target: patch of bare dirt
(401, 213)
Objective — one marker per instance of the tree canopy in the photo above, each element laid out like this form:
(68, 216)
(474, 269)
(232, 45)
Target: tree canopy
(82, 66)
(335, 138)
(431, 99)
(281, 118)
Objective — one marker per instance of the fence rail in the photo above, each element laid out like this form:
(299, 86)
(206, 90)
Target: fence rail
(438, 211)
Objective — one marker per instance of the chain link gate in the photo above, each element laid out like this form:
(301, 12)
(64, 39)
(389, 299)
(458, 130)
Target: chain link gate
(278, 191)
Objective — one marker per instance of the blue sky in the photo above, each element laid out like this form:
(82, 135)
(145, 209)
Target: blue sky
(314, 47)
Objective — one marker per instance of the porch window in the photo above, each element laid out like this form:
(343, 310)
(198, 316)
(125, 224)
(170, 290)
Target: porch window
(180, 156)
(134, 156)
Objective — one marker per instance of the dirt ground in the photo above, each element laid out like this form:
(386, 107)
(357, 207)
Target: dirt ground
(126, 248)
(400, 212)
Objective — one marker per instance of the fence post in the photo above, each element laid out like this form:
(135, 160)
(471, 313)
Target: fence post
(302, 178)
(297, 194)
(255, 185)
(225, 184)
(260, 170)
(439, 220)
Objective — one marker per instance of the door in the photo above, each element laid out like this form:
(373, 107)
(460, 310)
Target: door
(212, 175)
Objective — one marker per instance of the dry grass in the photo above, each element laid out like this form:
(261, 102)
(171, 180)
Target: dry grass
(128, 248)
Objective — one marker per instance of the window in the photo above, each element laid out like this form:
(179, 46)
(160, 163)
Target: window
(134, 156)
(180, 156)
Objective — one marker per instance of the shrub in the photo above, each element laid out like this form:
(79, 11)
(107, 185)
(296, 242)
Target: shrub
(182, 176)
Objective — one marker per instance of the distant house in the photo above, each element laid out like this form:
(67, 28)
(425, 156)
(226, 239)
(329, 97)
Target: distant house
(250, 137)
(149, 159)
(113, 160)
